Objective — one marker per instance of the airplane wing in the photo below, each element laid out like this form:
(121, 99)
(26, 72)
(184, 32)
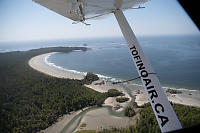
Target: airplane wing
(79, 10)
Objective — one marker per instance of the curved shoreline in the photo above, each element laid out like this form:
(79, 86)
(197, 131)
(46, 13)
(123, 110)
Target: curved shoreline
(38, 63)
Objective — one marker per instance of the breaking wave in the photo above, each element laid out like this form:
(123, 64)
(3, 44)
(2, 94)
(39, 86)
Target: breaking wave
(103, 77)
(51, 64)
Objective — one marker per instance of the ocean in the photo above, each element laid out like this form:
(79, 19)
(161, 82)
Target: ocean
(175, 59)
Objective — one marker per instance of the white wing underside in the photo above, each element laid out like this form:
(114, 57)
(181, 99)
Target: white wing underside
(80, 10)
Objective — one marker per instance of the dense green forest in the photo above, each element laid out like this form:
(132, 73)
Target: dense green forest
(31, 101)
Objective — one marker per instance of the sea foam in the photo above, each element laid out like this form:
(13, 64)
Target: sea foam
(103, 77)
(51, 64)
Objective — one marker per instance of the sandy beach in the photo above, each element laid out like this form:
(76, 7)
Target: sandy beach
(101, 118)
(60, 124)
(111, 101)
(186, 97)
(38, 63)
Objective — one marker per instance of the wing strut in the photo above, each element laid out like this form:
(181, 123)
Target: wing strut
(163, 110)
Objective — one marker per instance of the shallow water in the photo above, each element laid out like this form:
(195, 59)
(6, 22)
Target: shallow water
(75, 122)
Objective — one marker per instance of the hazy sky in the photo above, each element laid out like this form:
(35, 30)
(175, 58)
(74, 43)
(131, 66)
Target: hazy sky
(26, 20)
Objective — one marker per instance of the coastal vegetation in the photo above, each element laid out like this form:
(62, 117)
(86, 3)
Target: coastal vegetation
(135, 105)
(172, 91)
(31, 101)
(122, 99)
(129, 111)
(89, 78)
(114, 93)
(83, 125)
(87, 131)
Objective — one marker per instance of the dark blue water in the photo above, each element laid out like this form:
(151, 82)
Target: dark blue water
(27, 45)
(176, 59)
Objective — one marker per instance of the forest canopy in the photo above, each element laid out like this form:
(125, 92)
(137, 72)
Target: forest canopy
(31, 101)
